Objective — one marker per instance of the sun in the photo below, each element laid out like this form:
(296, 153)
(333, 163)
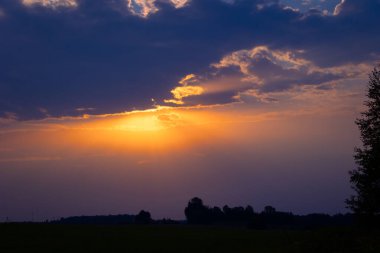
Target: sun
(140, 123)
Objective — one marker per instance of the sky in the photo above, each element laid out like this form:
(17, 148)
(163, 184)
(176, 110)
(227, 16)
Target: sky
(113, 106)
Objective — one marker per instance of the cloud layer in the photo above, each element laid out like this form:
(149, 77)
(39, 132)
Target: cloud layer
(117, 55)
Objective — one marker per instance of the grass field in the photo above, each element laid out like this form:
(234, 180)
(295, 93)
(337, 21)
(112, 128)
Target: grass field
(179, 238)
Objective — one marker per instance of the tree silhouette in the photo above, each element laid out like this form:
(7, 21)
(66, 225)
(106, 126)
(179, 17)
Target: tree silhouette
(269, 210)
(199, 213)
(365, 179)
(216, 214)
(143, 217)
(249, 212)
(196, 212)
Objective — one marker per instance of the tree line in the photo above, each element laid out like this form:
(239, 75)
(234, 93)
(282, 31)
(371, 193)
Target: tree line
(200, 214)
(197, 213)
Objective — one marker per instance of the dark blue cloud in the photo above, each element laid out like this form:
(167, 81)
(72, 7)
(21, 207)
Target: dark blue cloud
(100, 56)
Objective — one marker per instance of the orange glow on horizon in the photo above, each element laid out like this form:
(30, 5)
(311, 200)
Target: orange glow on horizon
(163, 129)
(157, 132)
(154, 131)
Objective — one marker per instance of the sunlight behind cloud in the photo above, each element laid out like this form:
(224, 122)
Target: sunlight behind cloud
(270, 69)
(338, 8)
(179, 3)
(144, 8)
(185, 90)
(168, 128)
(160, 128)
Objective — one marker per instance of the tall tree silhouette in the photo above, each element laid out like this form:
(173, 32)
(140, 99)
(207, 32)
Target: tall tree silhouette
(365, 179)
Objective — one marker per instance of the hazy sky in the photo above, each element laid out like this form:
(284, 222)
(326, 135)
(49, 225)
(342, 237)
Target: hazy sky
(113, 106)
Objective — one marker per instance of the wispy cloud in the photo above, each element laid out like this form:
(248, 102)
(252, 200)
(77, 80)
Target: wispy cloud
(8, 118)
(180, 3)
(323, 6)
(2, 13)
(52, 3)
(144, 8)
(84, 109)
(268, 75)
(185, 90)
(30, 159)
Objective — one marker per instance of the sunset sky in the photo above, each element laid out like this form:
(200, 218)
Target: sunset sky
(113, 106)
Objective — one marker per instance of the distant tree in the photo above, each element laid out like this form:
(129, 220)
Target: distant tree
(238, 213)
(249, 212)
(365, 180)
(269, 210)
(196, 212)
(217, 214)
(228, 213)
(143, 217)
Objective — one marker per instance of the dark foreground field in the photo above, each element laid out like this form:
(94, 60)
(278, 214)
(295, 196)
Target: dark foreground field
(178, 238)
